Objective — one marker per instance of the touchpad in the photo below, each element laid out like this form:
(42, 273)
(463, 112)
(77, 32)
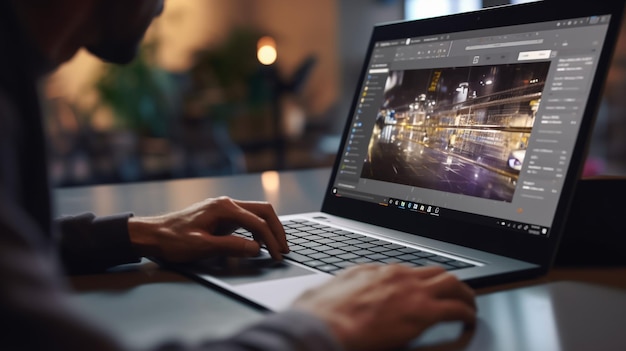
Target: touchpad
(246, 270)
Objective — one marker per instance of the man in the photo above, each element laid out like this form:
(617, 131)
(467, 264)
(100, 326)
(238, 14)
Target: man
(367, 308)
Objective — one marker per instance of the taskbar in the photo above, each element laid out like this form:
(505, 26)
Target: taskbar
(431, 210)
(437, 211)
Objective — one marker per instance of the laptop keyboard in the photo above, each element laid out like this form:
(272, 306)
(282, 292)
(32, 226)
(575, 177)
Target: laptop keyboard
(331, 250)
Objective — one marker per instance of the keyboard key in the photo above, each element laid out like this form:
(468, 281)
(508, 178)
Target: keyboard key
(354, 242)
(391, 260)
(363, 252)
(306, 252)
(407, 257)
(331, 260)
(345, 264)
(321, 226)
(368, 239)
(377, 256)
(344, 239)
(335, 252)
(300, 241)
(363, 260)
(410, 264)
(329, 268)
(424, 262)
(350, 248)
(314, 263)
(378, 249)
(324, 248)
(339, 244)
(424, 254)
(460, 264)
(441, 259)
(310, 244)
(296, 257)
(392, 253)
(296, 232)
(348, 256)
(327, 241)
(296, 247)
(319, 255)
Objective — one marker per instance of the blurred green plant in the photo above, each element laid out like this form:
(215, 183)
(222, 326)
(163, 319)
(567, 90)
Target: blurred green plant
(140, 94)
(228, 81)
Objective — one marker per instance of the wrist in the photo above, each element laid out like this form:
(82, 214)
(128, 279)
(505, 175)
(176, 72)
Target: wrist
(141, 235)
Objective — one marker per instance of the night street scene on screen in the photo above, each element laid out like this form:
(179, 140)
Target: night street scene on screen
(462, 130)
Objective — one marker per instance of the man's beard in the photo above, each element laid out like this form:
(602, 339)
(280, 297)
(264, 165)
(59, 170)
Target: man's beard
(115, 52)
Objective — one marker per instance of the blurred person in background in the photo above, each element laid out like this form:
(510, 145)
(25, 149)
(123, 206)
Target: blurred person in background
(366, 308)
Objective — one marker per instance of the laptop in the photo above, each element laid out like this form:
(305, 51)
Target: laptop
(465, 140)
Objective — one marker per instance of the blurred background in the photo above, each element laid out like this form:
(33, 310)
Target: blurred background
(239, 86)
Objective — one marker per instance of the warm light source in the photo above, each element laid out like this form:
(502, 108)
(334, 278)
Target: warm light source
(270, 181)
(266, 50)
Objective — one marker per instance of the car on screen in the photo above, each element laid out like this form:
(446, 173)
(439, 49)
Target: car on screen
(516, 159)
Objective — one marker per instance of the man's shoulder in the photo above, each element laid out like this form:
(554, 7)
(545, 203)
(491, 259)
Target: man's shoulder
(8, 107)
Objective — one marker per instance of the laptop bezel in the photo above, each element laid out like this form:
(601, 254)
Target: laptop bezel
(522, 246)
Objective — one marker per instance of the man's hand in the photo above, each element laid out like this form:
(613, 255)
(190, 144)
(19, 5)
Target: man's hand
(381, 307)
(203, 230)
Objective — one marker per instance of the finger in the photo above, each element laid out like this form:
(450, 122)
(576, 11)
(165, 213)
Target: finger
(399, 272)
(447, 286)
(266, 211)
(257, 226)
(271, 231)
(234, 246)
(360, 269)
(453, 310)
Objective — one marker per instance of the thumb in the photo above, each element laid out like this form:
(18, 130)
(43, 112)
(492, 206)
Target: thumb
(235, 246)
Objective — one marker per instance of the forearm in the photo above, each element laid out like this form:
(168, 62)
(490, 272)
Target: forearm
(91, 244)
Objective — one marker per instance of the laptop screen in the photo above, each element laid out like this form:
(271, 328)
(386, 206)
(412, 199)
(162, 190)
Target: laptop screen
(476, 126)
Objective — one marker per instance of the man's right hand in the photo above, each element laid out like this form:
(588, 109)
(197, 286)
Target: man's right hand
(380, 307)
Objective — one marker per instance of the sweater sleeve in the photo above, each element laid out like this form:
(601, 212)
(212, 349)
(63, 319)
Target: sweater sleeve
(92, 244)
(291, 330)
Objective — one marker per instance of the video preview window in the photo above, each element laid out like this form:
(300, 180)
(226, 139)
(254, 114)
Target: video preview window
(462, 130)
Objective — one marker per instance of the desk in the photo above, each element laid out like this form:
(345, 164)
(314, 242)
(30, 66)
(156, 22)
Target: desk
(130, 295)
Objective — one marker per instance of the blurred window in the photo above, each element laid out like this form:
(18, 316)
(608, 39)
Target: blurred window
(417, 9)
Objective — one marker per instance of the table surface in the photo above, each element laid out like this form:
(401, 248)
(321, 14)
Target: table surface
(124, 299)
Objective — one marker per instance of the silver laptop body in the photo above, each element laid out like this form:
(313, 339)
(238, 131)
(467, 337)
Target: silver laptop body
(465, 139)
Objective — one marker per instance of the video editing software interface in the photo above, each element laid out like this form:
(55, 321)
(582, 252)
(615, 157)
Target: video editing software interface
(475, 125)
